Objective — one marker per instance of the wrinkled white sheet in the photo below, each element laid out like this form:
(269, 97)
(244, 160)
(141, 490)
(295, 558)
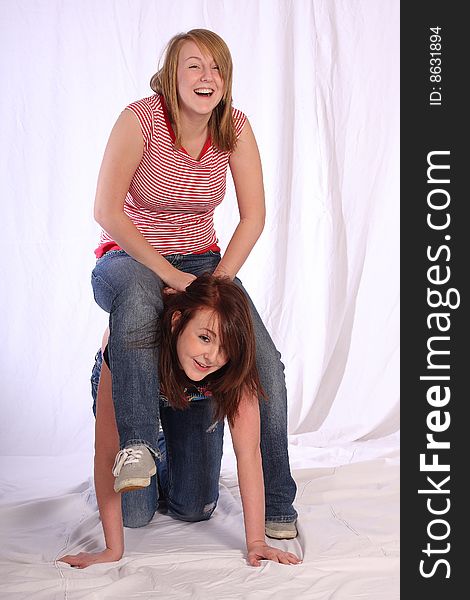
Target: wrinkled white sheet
(348, 535)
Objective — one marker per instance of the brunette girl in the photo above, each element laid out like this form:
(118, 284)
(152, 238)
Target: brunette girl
(207, 372)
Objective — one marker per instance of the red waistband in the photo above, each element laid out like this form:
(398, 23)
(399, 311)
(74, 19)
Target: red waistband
(107, 246)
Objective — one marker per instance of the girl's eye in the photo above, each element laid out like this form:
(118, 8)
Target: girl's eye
(204, 338)
(194, 66)
(216, 67)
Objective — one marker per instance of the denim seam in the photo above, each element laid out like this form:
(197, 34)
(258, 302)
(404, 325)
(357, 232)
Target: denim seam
(278, 519)
(112, 252)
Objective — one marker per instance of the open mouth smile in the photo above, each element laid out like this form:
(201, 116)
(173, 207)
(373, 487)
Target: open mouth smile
(205, 92)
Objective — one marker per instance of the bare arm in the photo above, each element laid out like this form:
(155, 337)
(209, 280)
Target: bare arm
(121, 158)
(246, 443)
(245, 165)
(109, 503)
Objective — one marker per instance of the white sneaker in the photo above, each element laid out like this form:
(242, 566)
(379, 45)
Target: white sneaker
(133, 468)
(281, 531)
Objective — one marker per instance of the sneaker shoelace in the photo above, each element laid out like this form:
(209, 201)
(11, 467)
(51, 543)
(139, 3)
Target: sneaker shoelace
(125, 457)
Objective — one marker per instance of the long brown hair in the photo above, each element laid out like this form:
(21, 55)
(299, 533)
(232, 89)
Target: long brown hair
(239, 375)
(221, 125)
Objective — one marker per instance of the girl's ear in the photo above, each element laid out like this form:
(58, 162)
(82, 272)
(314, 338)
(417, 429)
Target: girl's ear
(175, 317)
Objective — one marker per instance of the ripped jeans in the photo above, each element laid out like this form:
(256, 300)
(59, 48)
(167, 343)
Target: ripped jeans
(188, 468)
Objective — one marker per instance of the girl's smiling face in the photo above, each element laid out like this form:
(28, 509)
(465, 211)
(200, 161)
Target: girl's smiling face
(198, 346)
(200, 86)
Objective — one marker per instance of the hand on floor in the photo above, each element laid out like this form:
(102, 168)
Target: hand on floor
(85, 559)
(259, 550)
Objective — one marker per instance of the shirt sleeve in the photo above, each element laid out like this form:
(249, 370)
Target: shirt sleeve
(144, 114)
(239, 120)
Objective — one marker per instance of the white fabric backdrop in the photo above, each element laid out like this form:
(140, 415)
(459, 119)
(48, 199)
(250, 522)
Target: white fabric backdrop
(318, 80)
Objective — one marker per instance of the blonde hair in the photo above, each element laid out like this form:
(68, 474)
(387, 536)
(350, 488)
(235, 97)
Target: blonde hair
(164, 81)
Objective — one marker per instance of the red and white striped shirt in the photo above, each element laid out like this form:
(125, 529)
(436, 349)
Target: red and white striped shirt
(172, 196)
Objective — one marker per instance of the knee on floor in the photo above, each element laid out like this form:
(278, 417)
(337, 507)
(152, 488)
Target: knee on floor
(193, 516)
(136, 520)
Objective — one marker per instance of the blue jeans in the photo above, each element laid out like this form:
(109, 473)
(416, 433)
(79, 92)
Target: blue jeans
(188, 465)
(131, 294)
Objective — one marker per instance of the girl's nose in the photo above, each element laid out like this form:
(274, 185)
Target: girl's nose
(211, 354)
(206, 74)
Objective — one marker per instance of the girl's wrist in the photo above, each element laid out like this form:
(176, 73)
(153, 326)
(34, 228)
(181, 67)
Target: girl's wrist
(252, 542)
(115, 553)
(164, 271)
(221, 272)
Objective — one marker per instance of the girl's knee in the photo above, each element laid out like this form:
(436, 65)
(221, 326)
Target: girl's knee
(139, 506)
(193, 515)
(135, 520)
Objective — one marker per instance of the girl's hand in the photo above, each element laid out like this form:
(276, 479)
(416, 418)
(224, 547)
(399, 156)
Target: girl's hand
(260, 550)
(177, 281)
(85, 559)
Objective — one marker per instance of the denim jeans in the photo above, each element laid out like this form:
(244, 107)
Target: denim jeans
(131, 294)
